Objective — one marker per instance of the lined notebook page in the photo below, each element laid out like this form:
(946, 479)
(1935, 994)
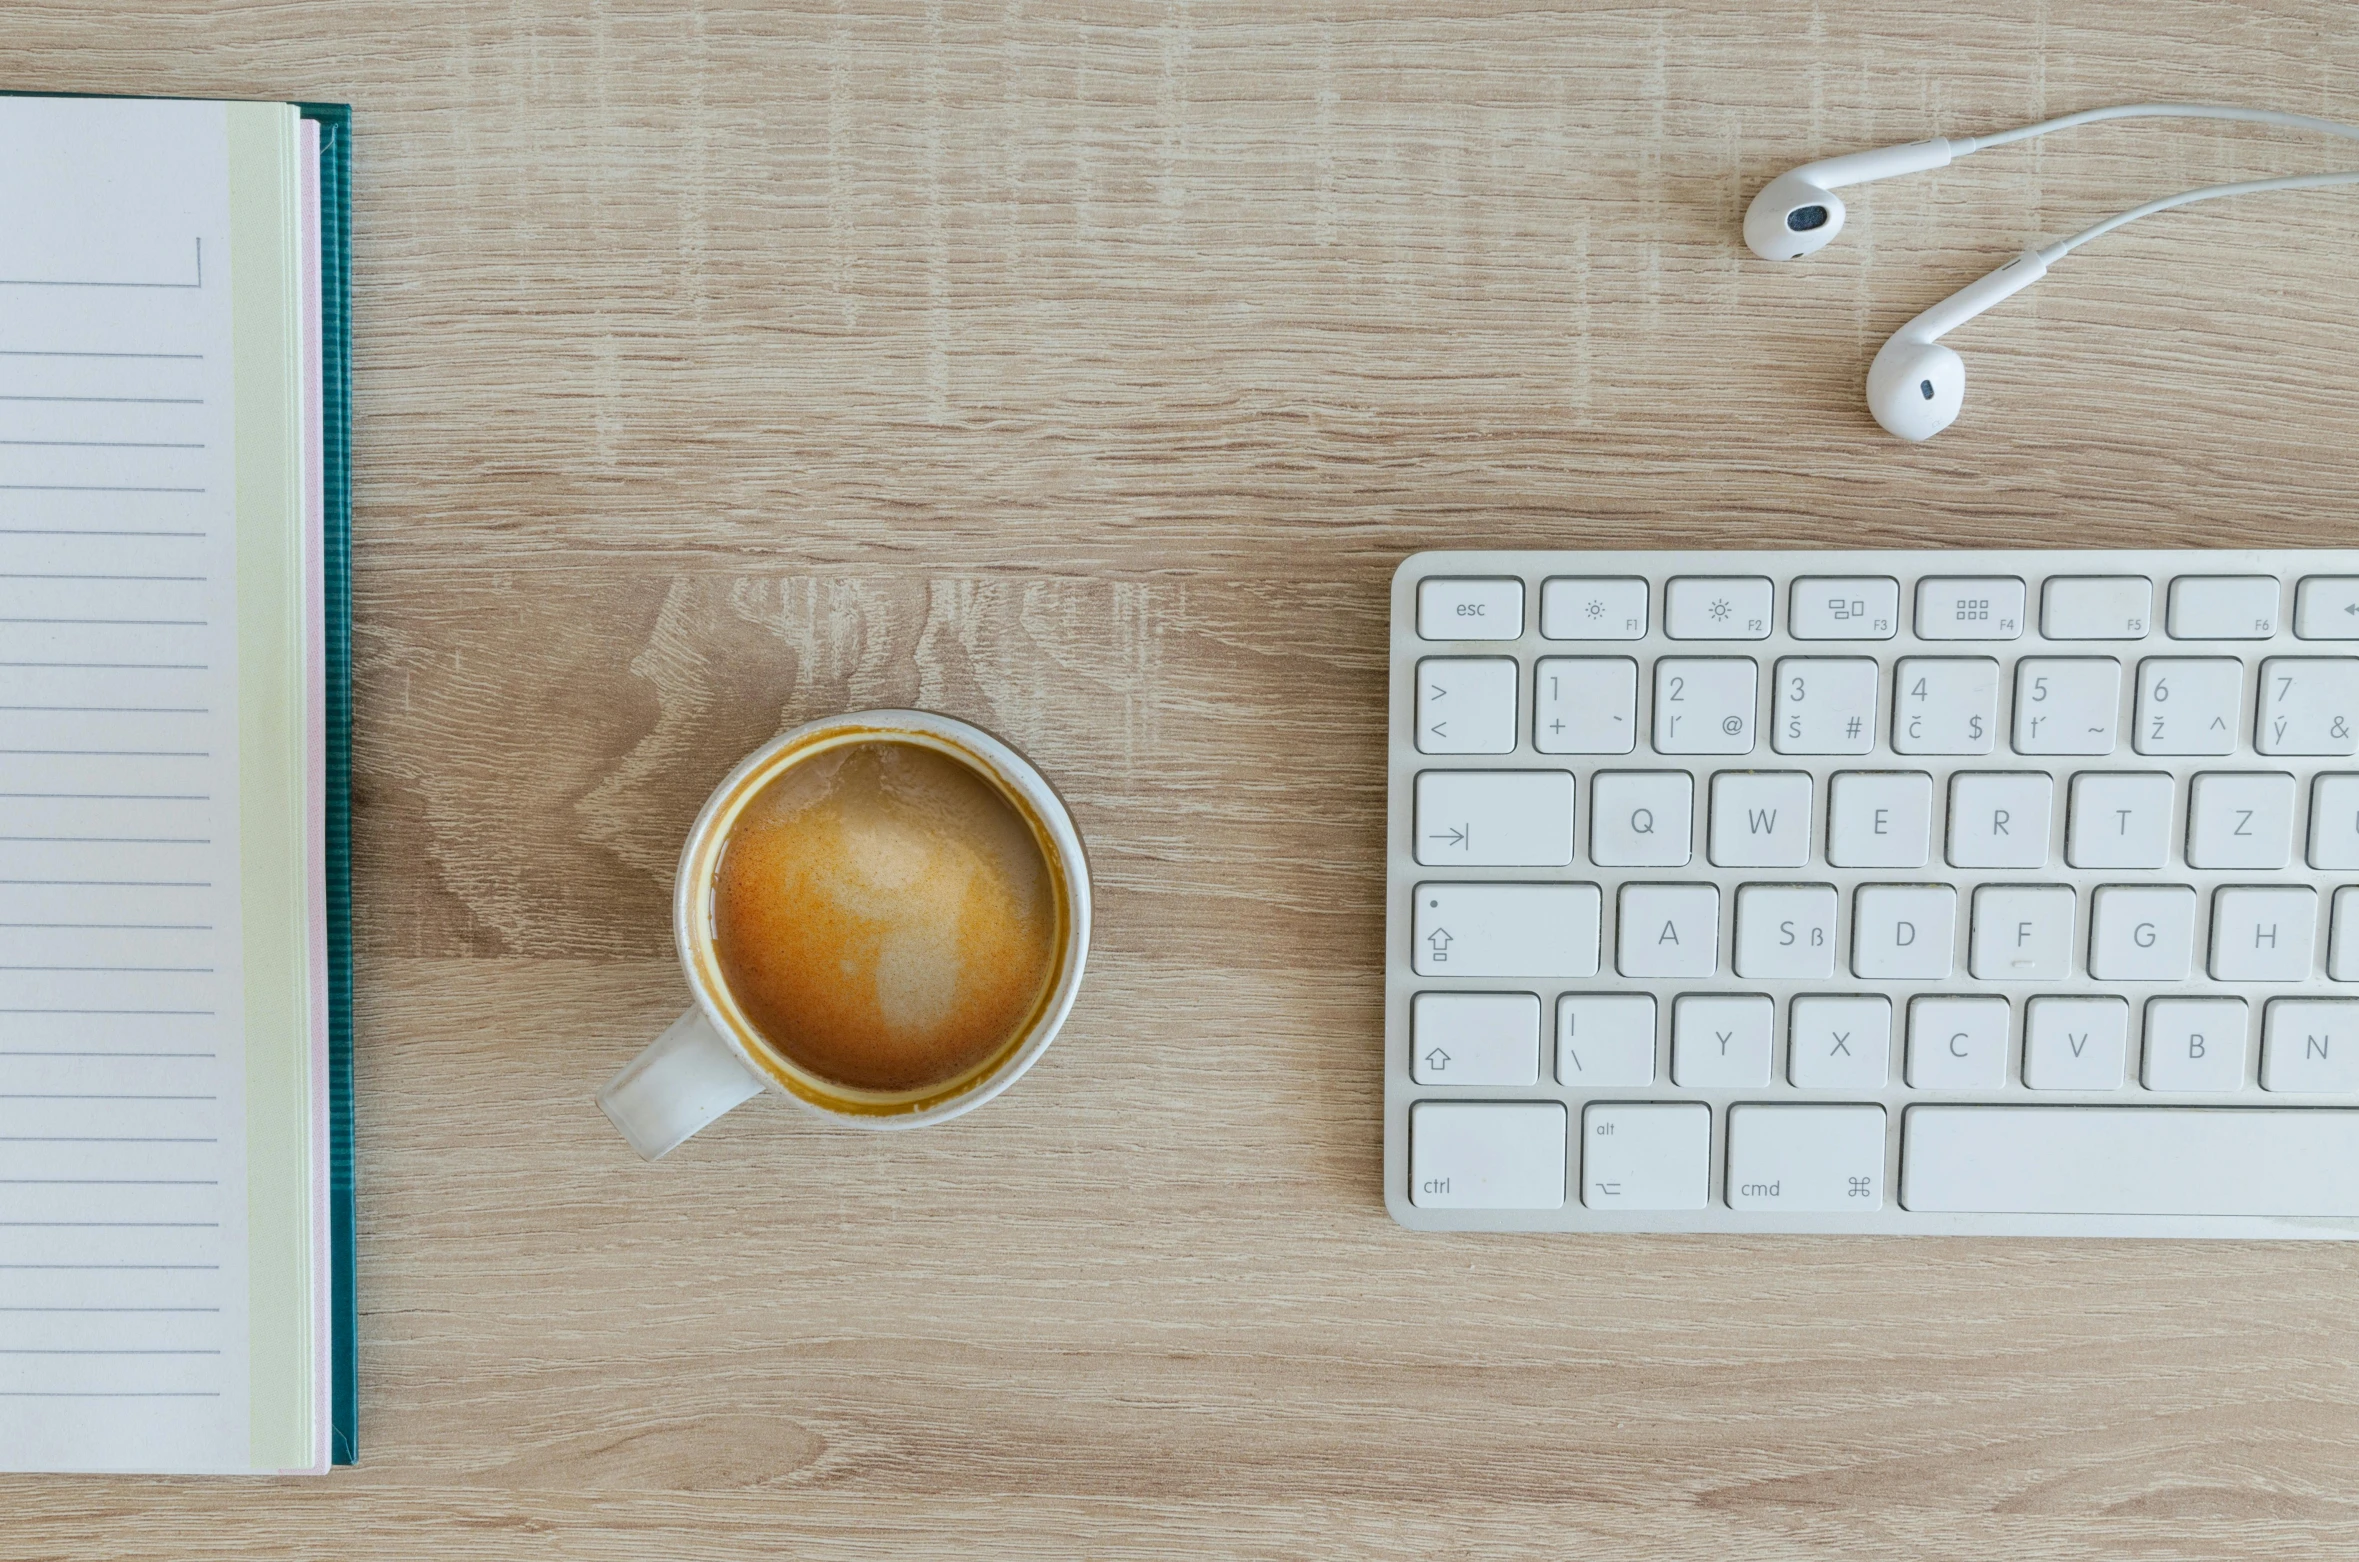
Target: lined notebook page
(124, 1287)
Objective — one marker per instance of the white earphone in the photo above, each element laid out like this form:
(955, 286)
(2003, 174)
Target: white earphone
(1916, 386)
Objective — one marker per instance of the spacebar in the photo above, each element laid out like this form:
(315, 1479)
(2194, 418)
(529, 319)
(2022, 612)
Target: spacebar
(2058, 1160)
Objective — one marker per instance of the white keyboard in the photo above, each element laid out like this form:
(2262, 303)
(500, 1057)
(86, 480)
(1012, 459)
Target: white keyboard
(1959, 892)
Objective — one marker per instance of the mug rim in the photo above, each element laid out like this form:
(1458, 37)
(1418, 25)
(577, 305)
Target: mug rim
(1001, 764)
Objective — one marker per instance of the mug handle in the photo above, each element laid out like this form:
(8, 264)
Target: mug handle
(687, 1077)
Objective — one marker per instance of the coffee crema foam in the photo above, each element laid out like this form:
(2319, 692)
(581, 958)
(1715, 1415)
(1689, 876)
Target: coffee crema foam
(884, 916)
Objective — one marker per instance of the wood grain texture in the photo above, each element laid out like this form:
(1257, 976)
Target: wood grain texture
(1084, 370)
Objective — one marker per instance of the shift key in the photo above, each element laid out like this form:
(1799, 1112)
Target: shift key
(1531, 930)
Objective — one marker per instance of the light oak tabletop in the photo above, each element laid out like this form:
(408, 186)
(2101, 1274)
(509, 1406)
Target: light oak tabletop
(1084, 370)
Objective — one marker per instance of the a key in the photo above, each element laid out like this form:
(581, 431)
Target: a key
(1839, 1041)
(2195, 1044)
(1585, 705)
(1593, 608)
(1532, 930)
(2141, 933)
(1903, 932)
(1879, 819)
(2334, 822)
(1825, 1158)
(2263, 934)
(2224, 607)
(2342, 945)
(1488, 1039)
(1717, 607)
(1668, 930)
(1704, 704)
(2105, 1160)
(1487, 1155)
(1466, 705)
(2240, 821)
(2118, 820)
(2066, 704)
(1760, 819)
(1785, 931)
(1845, 607)
(1970, 608)
(2023, 932)
(2188, 705)
(2326, 607)
(2310, 1046)
(1640, 818)
(1957, 1043)
(1944, 704)
(1720, 1041)
(2309, 705)
(2075, 1043)
(1469, 609)
(1495, 818)
(1605, 1040)
(1999, 820)
(2097, 607)
(1825, 705)
(1646, 1155)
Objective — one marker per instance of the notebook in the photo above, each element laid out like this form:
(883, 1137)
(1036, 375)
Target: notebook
(175, 1022)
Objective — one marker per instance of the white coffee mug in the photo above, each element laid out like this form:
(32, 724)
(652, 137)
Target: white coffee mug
(713, 1057)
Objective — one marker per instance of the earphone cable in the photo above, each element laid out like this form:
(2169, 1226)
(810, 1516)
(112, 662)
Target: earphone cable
(1961, 145)
(2052, 253)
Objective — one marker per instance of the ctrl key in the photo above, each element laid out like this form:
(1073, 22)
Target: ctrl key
(1486, 1155)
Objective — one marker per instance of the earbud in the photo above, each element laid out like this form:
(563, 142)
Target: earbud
(1916, 386)
(1799, 214)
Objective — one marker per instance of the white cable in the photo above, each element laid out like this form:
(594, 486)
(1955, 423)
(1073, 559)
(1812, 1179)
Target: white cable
(2057, 251)
(1962, 145)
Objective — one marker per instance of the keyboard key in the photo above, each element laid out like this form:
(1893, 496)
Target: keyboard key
(1825, 705)
(1646, 1156)
(1970, 608)
(1641, 818)
(2334, 822)
(1903, 932)
(2189, 705)
(2118, 820)
(1845, 607)
(2103, 1160)
(1469, 609)
(1466, 705)
(2023, 932)
(1717, 607)
(1720, 1041)
(2066, 704)
(1945, 704)
(1785, 931)
(1705, 705)
(1760, 819)
(1668, 930)
(2310, 1046)
(1506, 930)
(1487, 1155)
(2141, 933)
(1495, 818)
(2097, 607)
(1490, 1039)
(2240, 821)
(1999, 820)
(2342, 947)
(2195, 1044)
(1839, 1042)
(1605, 1040)
(1879, 819)
(2224, 607)
(2326, 607)
(2263, 935)
(1957, 1043)
(1599, 608)
(2309, 705)
(1825, 1158)
(1585, 705)
(2075, 1043)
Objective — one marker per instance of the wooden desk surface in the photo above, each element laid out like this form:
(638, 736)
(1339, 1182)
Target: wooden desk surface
(1084, 370)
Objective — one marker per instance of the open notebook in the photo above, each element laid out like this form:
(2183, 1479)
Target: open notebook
(175, 1043)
